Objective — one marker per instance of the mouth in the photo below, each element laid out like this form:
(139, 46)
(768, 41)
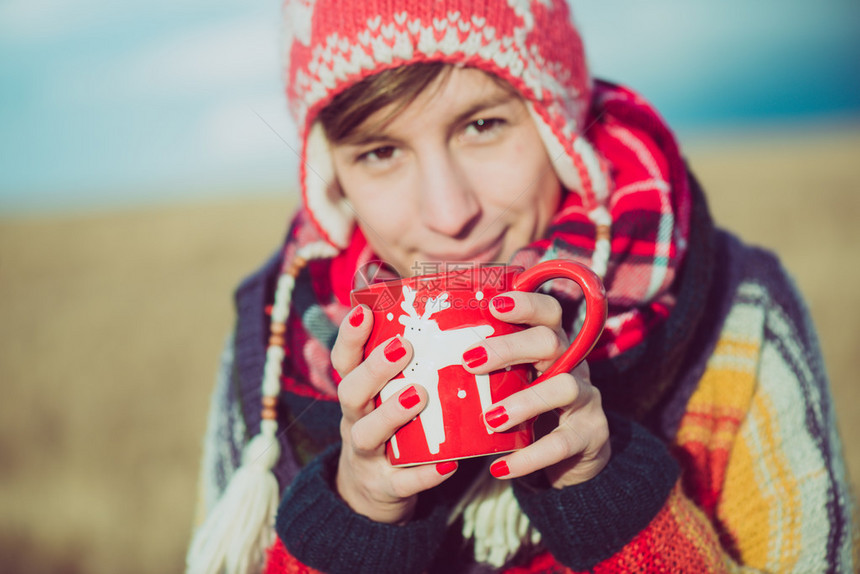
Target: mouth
(483, 253)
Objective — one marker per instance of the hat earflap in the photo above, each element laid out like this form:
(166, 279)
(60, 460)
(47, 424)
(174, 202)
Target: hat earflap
(328, 208)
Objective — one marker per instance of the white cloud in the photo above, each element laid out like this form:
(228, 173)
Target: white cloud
(27, 20)
(673, 44)
(208, 61)
(36, 20)
(230, 52)
(240, 132)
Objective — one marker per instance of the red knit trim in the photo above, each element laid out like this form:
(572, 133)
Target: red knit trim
(706, 458)
(678, 539)
(280, 561)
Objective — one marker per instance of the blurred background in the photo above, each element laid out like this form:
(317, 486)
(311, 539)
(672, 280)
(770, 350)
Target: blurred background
(147, 163)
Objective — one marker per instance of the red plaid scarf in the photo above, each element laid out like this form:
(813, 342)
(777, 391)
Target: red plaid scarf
(649, 202)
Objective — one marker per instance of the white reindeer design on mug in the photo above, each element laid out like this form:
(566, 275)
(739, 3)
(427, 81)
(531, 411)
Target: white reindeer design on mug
(433, 350)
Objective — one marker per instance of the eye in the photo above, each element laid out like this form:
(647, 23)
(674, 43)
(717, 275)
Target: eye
(483, 126)
(379, 154)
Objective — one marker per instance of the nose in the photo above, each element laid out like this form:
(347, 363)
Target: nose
(449, 204)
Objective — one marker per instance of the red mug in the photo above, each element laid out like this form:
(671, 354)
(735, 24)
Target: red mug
(443, 314)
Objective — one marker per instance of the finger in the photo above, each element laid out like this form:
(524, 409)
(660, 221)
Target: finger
(578, 448)
(538, 345)
(527, 308)
(575, 444)
(371, 431)
(359, 387)
(563, 391)
(559, 445)
(348, 350)
(410, 481)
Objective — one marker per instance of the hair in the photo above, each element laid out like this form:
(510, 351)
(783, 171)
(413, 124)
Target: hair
(399, 86)
(396, 87)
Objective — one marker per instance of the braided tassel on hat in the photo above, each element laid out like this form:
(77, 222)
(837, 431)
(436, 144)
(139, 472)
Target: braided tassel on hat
(238, 530)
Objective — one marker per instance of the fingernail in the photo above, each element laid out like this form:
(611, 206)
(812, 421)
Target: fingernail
(409, 398)
(446, 467)
(475, 357)
(357, 316)
(496, 417)
(394, 350)
(499, 469)
(503, 303)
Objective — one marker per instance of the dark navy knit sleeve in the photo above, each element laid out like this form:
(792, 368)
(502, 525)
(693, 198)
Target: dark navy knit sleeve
(321, 531)
(587, 523)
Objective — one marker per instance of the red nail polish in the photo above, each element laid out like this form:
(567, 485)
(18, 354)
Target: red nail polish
(446, 467)
(394, 350)
(496, 417)
(499, 469)
(409, 398)
(357, 316)
(475, 357)
(503, 303)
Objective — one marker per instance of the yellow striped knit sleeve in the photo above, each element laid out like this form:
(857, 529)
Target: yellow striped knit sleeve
(759, 432)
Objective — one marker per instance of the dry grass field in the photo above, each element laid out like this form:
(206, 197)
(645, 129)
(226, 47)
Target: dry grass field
(110, 325)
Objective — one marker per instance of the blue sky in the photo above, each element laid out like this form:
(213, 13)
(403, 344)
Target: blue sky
(126, 103)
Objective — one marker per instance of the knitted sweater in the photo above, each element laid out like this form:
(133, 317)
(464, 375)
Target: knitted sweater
(737, 464)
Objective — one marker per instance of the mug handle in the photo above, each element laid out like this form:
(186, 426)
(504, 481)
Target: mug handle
(595, 308)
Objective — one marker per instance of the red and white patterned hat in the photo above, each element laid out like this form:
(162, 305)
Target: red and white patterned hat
(533, 44)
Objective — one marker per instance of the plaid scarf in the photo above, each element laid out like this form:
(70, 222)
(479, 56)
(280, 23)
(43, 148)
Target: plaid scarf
(650, 204)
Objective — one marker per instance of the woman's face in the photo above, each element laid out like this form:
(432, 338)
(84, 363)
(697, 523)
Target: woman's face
(459, 175)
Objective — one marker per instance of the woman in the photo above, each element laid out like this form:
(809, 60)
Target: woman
(699, 436)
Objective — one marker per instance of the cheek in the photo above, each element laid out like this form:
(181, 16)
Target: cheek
(373, 203)
(382, 218)
(380, 198)
(550, 189)
(523, 181)
(385, 219)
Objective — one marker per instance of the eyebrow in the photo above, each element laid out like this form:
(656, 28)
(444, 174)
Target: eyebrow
(360, 137)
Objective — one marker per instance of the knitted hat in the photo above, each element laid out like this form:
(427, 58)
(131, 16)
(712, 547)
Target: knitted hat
(332, 44)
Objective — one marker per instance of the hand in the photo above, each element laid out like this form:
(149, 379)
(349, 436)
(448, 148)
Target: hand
(577, 448)
(365, 480)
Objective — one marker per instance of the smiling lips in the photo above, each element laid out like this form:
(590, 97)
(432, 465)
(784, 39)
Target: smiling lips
(485, 253)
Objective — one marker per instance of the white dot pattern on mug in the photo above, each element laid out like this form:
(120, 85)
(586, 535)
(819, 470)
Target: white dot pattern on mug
(433, 350)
